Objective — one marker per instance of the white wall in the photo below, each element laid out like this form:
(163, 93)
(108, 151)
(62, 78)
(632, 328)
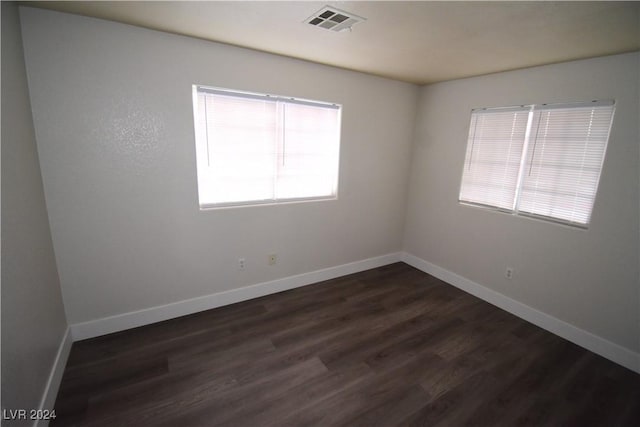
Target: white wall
(112, 111)
(113, 117)
(33, 321)
(588, 278)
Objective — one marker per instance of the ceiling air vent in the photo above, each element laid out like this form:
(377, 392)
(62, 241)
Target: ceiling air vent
(333, 19)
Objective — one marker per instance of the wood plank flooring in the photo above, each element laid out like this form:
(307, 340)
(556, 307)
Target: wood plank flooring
(385, 347)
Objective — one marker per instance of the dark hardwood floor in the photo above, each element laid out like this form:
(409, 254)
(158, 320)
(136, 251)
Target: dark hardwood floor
(385, 347)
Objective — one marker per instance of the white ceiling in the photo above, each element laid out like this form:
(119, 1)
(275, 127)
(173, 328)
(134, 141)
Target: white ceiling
(418, 42)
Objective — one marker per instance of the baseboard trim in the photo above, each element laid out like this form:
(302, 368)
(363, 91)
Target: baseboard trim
(107, 325)
(55, 377)
(614, 352)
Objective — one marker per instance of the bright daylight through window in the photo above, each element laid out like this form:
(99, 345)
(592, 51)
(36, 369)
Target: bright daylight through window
(257, 149)
(538, 160)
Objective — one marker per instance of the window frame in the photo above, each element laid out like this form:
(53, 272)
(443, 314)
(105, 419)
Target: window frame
(530, 138)
(197, 89)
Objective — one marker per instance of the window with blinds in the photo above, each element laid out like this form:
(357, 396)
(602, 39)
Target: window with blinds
(256, 149)
(537, 160)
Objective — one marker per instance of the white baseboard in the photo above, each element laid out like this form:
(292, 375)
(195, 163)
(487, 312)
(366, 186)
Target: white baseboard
(55, 377)
(614, 352)
(591, 342)
(147, 316)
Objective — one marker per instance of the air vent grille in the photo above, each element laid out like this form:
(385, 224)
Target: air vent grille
(333, 19)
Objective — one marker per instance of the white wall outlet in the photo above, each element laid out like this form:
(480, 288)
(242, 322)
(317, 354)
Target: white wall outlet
(241, 263)
(272, 259)
(509, 273)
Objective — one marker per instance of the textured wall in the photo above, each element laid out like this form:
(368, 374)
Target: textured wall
(113, 115)
(588, 278)
(33, 321)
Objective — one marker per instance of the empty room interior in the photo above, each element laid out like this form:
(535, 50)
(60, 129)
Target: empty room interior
(320, 213)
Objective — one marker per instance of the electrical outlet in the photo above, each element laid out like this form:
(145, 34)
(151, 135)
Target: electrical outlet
(509, 273)
(273, 259)
(241, 263)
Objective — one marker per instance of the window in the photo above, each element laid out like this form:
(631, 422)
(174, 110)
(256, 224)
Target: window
(256, 149)
(537, 160)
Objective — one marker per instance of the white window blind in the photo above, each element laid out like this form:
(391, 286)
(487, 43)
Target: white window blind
(548, 167)
(255, 148)
(494, 152)
(564, 162)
